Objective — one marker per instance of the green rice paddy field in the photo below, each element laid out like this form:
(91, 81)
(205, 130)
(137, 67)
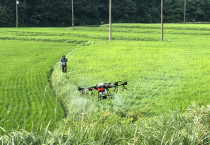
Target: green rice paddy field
(165, 77)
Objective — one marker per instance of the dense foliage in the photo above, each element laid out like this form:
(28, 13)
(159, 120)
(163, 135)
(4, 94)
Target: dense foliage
(175, 128)
(92, 12)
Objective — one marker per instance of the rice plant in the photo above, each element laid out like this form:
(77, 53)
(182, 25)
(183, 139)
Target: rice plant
(166, 77)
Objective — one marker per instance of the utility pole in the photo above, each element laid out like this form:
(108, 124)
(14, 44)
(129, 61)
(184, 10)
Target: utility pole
(110, 20)
(72, 14)
(17, 3)
(185, 3)
(162, 20)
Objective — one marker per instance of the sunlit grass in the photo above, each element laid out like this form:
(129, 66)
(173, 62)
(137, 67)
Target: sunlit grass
(165, 76)
(168, 75)
(25, 72)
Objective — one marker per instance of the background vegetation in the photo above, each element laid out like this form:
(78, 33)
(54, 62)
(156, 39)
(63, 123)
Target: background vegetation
(93, 12)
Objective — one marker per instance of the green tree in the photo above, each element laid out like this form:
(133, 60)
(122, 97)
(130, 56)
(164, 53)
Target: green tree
(93, 12)
(5, 15)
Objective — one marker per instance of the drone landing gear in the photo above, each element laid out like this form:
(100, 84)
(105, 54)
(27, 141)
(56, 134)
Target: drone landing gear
(104, 98)
(115, 90)
(92, 94)
(104, 94)
(124, 84)
(124, 88)
(116, 84)
(82, 91)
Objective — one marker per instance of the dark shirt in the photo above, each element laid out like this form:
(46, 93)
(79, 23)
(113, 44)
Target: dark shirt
(64, 61)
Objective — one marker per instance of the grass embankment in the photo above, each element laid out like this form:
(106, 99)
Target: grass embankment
(174, 128)
(164, 76)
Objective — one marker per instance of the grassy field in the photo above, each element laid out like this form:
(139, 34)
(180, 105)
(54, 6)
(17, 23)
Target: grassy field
(165, 77)
(25, 70)
(168, 76)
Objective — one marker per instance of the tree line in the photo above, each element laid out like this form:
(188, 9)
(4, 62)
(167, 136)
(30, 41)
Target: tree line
(93, 12)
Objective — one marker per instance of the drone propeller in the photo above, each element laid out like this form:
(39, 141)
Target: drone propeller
(80, 89)
(93, 88)
(90, 88)
(116, 83)
(125, 84)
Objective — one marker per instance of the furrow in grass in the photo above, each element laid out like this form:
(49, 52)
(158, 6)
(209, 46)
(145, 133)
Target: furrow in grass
(43, 40)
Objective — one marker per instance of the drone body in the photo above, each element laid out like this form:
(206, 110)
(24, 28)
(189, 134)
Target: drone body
(103, 89)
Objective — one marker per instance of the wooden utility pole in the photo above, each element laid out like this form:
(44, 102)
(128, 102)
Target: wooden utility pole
(162, 20)
(72, 14)
(17, 3)
(110, 20)
(185, 3)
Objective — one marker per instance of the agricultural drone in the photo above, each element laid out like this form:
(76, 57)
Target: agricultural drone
(103, 89)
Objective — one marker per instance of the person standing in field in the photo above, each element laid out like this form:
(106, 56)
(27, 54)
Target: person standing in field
(64, 63)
